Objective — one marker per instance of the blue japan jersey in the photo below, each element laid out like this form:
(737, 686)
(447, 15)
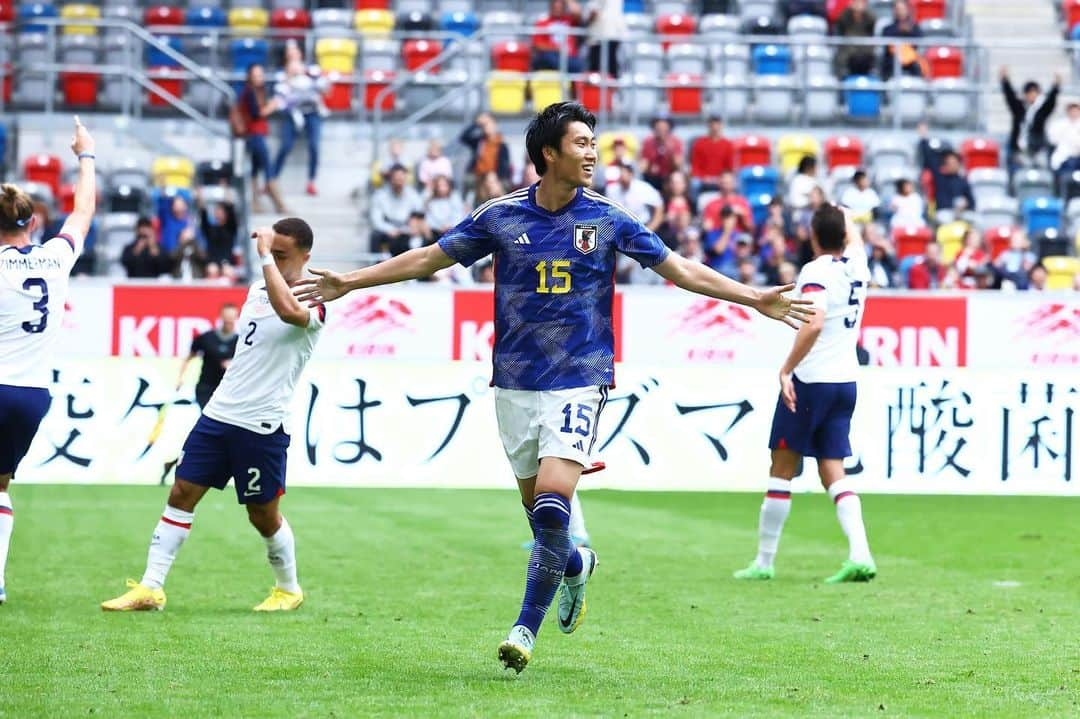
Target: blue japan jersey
(554, 284)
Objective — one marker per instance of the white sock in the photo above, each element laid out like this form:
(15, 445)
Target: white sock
(169, 534)
(577, 519)
(849, 512)
(774, 512)
(281, 551)
(7, 523)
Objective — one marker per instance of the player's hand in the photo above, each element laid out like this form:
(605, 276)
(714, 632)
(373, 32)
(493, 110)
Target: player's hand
(791, 312)
(82, 141)
(787, 390)
(326, 287)
(263, 237)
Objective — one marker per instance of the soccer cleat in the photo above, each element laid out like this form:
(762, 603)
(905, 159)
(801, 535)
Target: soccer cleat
(572, 596)
(516, 651)
(3, 595)
(281, 601)
(136, 599)
(854, 572)
(755, 572)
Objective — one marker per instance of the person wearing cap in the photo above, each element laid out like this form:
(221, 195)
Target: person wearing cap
(1027, 137)
(1065, 135)
(391, 207)
(711, 155)
(661, 154)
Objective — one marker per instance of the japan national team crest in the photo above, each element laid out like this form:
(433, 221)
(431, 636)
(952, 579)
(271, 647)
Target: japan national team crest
(585, 238)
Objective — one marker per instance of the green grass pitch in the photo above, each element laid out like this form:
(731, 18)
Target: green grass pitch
(409, 592)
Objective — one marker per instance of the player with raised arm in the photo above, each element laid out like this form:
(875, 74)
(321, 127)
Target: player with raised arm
(555, 245)
(817, 396)
(243, 432)
(33, 291)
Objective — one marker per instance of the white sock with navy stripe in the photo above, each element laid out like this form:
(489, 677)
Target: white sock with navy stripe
(169, 534)
(578, 533)
(7, 524)
(774, 512)
(849, 512)
(281, 551)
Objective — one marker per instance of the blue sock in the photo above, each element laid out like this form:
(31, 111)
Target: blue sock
(574, 565)
(550, 554)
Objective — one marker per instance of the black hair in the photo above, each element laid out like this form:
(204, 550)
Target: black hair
(807, 163)
(297, 229)
(830, 227)
(143, 221)
(1031, 85)
(548, 128)
(858, 175)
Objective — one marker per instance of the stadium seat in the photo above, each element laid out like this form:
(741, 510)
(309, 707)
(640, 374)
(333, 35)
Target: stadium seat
(764, 25)
(686, 59)
(1032, 182)
(200, 49)
(1050, 241)
(1040, 213)
(371, 23)
(206, 17)
(998, 239)
(172, 171)
(380, 54)
(472, 58)
(988, 182)
(404, 6)
(752, 150)
(163, 16)
(156, 57)
(758, 180)
(1072, 214)
(759, 207)
(501, 26)
(996, 212)
(863, 97)
(456, 6)
(820, 99)
(634, 8)
(7, 15)
(335, 54)
(74, 12)
(730, 58)
(511, 56)
(462, 23)
(375, 81)
(28, 12)
(546, 88)
(833, 9)
(45, 169)
(1071, 11)
(732, 99)
(771, 60)
(936, 27)
(750, 9)
(1060, 272)
(684, 94)
(248, 20)
(80, 89)
(774, 98)
(416, 21)
(950, 236)
(639, 94)
(369, 4)
(889, 152)
(339, 97)
(719, 27)
(169, 79)
(296, 19)
(929, 9)
(592, 93)
(1072, 185)
(126, 198)
(843, 150)
(417, 53)
(647, 58)
(605, 144)
(506, 93)
(911, 241)
(945, 62)
(813, 60)
(980, 152)
(913, 99)
(422, 89)
(807, 26)
(793, 148)
(670, 27)
(249, 51)
(213, 172)
(638, 24)
(672, 7)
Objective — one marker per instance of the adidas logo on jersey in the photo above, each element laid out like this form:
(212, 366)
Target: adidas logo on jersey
(523, 239)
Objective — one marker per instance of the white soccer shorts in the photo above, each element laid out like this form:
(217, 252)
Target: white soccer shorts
(550, 423)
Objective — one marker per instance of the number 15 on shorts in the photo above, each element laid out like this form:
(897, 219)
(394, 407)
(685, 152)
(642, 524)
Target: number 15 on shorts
(581, 423)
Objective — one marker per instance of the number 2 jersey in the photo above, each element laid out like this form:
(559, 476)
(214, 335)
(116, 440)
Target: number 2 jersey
(33, 292)
(837, 286)
(554, 284)
(257, 388)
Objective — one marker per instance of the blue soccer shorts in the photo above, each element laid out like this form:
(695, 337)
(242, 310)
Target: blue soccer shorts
(215, 451)
(21, 412)
(821, 423)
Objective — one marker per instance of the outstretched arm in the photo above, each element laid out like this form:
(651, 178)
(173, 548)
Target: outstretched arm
(411, 265)
(78, 222)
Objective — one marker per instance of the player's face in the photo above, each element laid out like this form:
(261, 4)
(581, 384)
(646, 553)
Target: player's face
(228, 320)
(576, 159)
(289, 258)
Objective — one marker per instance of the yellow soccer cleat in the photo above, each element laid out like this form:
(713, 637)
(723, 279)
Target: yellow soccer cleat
(281, 601)
(136, 599)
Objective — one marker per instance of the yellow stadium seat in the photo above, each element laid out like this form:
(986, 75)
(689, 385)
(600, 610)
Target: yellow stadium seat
(374, 22)
(606, 143)
(80, 11)
(792, 148)
(248, 20)
(506, 93)
(547, 89)
(336, 54)
(1060, 272)
(951, 238)
(172, 171)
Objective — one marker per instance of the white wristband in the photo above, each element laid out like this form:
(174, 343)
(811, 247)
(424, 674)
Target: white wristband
(267, 260)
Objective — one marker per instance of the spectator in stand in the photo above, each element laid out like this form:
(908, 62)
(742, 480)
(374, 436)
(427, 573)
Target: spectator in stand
(391, 207)
(434, 165)
(903, 26)
(689, 244)
(882, 261)
(661, 154)
(803, 250)
(551, 38)
(721, 242)
(143, 258)
(928, 272)
(1037, 277)
(529, 175)
(710, 156)
(489, 152)
(773, 253)
(1065, 134)
(677, 228)
(930, 154)
(861, 198)
(1027, 139)
(973, 262)
(748, 272)
(951, 188)
(791, 8)
(416, 234)
(620, 156)
(219, 228)
(907, 206)
(855, 21)
(788, 273)
(606, 27)
(395, 155)
(639, 197)
(249, 121)
(728, 197)
(1013, 264)
(300, 96)
(489, 188)
(188, 259)
(802, 183)
(677, 192)
(445, 208)
(776, 214)
(172, 221)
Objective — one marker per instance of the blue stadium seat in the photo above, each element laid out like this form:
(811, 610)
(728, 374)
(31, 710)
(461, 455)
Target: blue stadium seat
(30, 11)
(247, 52)
(758, 180)
(771, 60)
(157, 58)
(206, 17)
(759, 207)
(1041, 213)
(463, 23)
(862, 97)
(634, 6)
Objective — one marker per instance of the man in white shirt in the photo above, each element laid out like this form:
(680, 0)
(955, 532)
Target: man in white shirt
(860, 198)
(638, 197)
(243, 433)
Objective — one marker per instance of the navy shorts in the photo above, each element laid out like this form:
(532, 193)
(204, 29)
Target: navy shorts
(215, 451)
(21, 412)
(821, 422)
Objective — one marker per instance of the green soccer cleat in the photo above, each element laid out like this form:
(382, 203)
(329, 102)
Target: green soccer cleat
(755, 572)
(853, 572)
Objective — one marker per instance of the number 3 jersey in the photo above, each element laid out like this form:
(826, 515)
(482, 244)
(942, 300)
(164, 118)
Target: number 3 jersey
(33, 292)
(257, 388)
(554, 284)
(837, 286)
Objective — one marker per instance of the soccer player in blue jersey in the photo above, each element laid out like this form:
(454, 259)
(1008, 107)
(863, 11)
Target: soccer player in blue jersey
(555, 246)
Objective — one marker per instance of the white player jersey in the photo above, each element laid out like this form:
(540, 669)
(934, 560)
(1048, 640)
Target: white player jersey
(837, 287)
(257, 388)
(33, 292)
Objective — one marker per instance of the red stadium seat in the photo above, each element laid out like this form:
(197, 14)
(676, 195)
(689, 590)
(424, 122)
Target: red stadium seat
(374, 82)
(980, 152)
(677, 25)
(998, 240)
(45, 169)
(752, 150)
(511, 56)
(371, 5)
(684, 96)
(290, 19)
(67, 199)
(911, 241)
(843, 150)
(7, 11)
(929, 10)
(163, 15)
(80, 88)
(833, 8)
(339, 97)
(594, 97)
(417, 52)
(945, 62)
(1071, 10)
(169, 79)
